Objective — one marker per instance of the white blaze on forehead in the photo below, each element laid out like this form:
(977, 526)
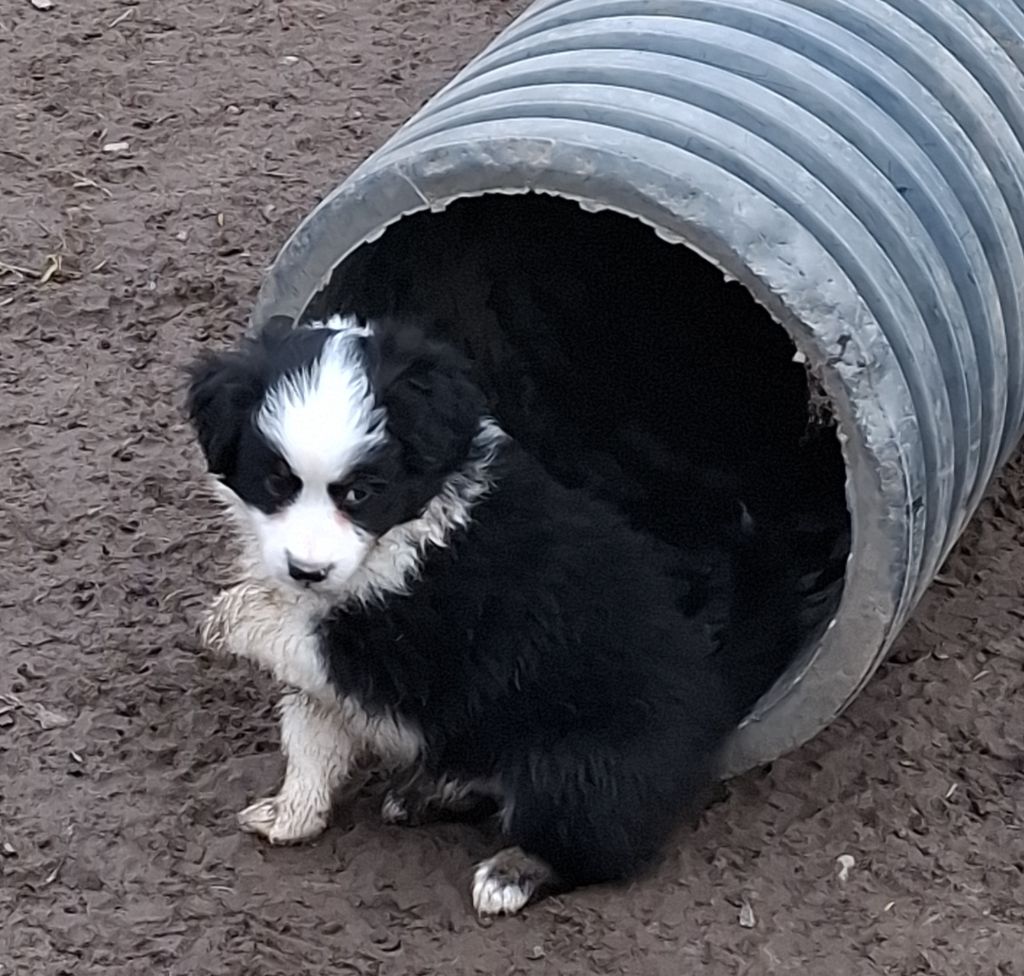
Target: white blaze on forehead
(323, 418)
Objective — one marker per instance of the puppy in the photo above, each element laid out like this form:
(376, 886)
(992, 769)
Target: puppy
(437, 603)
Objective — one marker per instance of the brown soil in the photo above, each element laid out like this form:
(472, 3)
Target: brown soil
(124, 753)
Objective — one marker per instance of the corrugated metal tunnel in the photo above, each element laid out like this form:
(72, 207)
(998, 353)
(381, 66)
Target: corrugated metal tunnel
(804, 211)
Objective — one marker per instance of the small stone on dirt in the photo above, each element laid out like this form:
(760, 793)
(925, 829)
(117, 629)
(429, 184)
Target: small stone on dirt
(846, 862)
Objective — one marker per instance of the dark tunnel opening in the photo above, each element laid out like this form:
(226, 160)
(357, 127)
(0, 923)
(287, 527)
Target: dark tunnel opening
(630, 366)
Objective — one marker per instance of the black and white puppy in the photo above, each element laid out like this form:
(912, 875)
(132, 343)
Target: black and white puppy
(439, 604)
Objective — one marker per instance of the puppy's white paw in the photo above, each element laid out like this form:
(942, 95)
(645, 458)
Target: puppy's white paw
(507, 882)
(495, 895)
(283, 821)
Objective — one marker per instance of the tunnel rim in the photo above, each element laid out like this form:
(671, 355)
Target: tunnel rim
(679, 208)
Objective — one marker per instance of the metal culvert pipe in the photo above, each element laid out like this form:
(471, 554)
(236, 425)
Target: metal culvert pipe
(857, 165)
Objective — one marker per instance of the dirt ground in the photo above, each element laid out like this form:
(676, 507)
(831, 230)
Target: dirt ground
(124, 753)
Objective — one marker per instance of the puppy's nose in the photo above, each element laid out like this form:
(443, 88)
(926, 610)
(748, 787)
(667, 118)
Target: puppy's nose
(305, 572)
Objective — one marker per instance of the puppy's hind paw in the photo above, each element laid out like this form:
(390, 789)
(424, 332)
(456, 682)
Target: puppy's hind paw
(508, 882)
(395, 810)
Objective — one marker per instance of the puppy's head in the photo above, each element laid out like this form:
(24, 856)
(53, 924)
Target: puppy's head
(325, 438)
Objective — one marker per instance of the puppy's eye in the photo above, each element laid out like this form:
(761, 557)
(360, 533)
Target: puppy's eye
(356, 495)
(352, 494)
(281, 483)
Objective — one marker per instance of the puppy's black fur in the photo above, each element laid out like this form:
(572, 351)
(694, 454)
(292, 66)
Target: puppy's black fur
(544, 650)
(549, 649)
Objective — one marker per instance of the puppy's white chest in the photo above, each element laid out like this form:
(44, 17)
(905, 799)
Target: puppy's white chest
(277, 630)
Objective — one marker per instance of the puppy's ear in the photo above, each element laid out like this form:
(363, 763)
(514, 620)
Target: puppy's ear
(388, 352)
(222, 391)
(435, 408)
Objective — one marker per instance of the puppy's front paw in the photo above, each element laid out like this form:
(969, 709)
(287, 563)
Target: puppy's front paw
(508, 882)
(281, 820)
(420, 800)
